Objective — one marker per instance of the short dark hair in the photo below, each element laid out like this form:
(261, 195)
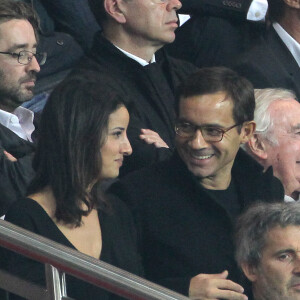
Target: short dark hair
(97, 8)
(11, 9)
(276, 10)
(221, 79)
(253, 226)
(73, 128)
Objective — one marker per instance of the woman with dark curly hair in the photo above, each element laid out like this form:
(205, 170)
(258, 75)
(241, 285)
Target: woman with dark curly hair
(82, 142)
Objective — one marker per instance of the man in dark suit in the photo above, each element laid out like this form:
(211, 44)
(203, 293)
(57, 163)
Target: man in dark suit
(19, 65)
(275, 60)
(185, 207)
(73, 17)
(276, 141)
(217, 31)
(127, 52)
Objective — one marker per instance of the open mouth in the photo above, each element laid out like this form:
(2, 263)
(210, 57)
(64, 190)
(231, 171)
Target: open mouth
(202, 157)
(205, 156)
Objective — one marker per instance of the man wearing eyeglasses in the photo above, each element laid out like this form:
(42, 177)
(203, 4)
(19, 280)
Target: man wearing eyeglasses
(19, 64)
(185, 208)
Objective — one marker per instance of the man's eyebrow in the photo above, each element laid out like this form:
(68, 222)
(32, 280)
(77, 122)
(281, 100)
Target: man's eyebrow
(287, 250)
(20, 46)
(214, 125)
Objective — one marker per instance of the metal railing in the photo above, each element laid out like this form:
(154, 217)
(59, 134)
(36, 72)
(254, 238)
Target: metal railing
(60, 259)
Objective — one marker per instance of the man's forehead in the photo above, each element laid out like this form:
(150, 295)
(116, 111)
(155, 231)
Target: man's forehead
(18, 32)
(283, 238)
(218, 98)
(286, 105)
(216, 103)
(286, 112)
(207, 109)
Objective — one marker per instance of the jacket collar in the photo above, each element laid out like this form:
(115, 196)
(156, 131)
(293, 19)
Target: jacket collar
(252, 182)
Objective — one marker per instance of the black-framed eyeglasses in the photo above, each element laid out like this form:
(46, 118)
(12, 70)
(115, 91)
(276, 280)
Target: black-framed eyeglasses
(209, 133)
(24, 57)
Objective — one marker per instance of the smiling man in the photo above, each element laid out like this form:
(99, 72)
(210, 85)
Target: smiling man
(128, 52)
(185, 207)
(19, 64)
(268, 250)
(276, 140)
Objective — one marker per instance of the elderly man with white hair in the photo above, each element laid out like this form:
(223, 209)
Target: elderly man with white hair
(276, 141)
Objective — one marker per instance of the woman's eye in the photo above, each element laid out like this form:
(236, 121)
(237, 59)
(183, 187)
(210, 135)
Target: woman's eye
(117, 134)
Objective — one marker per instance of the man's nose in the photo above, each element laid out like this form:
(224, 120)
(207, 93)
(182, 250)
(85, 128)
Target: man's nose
(197, 141)
(33, 65)
(296, 264)
(174, 4)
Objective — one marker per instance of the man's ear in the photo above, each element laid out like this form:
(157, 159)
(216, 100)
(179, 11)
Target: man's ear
(250, 271)
(257, 146)
(114, 9)
(292, 3)
(247, 131)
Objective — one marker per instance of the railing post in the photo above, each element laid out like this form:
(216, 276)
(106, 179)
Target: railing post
(56, 283)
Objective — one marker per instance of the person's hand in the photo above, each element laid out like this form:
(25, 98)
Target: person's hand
(152, 137)
(9, 156)
(214, 287)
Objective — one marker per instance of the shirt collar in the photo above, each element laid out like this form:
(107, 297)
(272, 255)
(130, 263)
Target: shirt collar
(20, 121)
(290, 42)
(6, 117)
(136, 58)
(257, 10)
(288, 199)
(25, 115)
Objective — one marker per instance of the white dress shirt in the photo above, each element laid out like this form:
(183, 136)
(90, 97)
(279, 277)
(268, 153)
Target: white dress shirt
(290, 42)
(20, 122)
(257, 10)
(290, 199)
(136, 58)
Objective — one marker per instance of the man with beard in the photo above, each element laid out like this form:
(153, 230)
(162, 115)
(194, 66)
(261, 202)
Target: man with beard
(19, 64)
(268, 250)
(185, 207)
(276, 140)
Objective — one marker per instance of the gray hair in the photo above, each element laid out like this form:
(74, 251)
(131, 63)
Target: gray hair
(253, 226)
(263, 99)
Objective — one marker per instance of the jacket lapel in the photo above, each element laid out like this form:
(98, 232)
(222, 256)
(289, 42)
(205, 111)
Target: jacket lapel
(162, 101)
(283, 56)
